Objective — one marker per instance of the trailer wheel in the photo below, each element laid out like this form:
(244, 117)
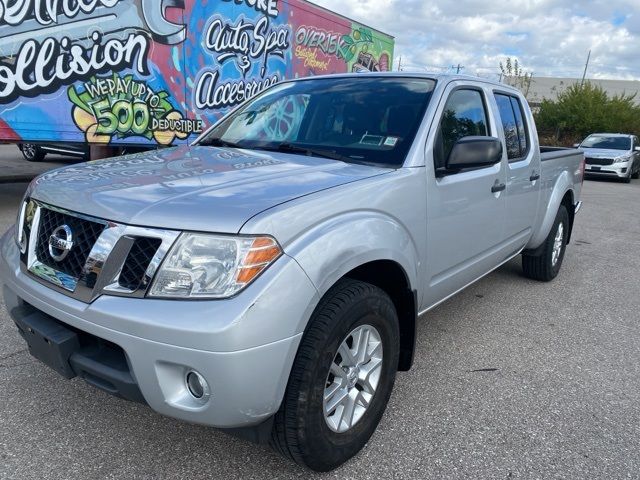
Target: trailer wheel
(32, 152)
(341, 379)
(546, 265)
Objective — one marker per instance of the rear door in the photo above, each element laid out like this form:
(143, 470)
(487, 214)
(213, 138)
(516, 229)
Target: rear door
(523, 169)
(465, 224)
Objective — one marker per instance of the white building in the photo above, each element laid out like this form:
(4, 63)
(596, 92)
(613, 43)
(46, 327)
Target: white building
(548, 87)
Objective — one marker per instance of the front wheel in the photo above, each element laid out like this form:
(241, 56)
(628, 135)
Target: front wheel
(32, 152)
(341, 379)
(546, 265)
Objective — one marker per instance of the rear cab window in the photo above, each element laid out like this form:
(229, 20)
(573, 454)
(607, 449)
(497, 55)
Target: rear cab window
(513, 125)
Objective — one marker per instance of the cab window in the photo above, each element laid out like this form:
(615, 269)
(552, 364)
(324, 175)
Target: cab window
(464, 115)
(513, 125)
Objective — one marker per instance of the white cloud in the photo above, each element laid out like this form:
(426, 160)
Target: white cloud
(549, 38)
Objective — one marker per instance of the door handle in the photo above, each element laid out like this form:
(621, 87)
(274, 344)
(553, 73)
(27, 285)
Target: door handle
(534, 176)
(498, 188)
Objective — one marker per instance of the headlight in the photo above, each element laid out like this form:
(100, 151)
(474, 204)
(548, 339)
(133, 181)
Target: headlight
(623, 159)
(21, 235)
(213, 266)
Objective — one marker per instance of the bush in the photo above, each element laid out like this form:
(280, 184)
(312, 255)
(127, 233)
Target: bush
(582, 110)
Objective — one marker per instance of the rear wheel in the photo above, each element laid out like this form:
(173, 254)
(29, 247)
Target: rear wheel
(546, 265)
(341, 379)
(32, 152)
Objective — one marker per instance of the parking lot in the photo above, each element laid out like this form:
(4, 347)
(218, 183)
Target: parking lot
(14, 168)
(513, 379)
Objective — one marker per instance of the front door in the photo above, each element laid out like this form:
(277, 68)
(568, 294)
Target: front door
(466, 210)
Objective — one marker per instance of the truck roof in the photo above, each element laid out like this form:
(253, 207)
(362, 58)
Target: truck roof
(429, 76)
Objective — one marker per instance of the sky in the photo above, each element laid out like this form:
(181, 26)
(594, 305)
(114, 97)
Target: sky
(549, 38)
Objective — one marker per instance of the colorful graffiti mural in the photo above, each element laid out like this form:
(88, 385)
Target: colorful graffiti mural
(160, 71)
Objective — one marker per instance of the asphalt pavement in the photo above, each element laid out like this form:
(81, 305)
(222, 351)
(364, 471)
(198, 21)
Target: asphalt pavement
(14, 168)
(513, 379)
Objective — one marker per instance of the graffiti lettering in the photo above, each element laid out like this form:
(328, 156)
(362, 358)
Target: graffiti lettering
(46, 11)
(268, 7)
(210, 94)
(184, 125)
(327, 42)
(311, 59)
(127, 108)
(43, 68)
(245, 41)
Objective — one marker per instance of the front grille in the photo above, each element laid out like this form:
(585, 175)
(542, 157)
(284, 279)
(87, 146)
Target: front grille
(135, 266)
(118, 258)
(85, 235)
(599, 161)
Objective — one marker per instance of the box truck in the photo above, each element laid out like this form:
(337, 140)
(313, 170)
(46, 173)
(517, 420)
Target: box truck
(145, 73)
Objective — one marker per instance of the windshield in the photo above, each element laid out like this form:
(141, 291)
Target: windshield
(607, 143)
(358, 120)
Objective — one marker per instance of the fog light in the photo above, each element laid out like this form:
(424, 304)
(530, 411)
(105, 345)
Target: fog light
(197, 385)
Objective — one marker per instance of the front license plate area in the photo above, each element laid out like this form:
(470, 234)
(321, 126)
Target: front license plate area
(596, 169)
(48, 341)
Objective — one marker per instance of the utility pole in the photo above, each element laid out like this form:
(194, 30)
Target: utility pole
(585, 69)
(400, 64)
(460, 67)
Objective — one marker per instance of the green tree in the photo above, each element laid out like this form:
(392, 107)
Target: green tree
(581, 110)
(514, 75)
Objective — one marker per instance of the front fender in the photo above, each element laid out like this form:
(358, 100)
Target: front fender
(563, 184)
(330, 250)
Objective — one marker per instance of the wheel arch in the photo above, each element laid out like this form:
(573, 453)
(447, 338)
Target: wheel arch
(390, 277)
(561, 194)
(371, 247)
(568, 202)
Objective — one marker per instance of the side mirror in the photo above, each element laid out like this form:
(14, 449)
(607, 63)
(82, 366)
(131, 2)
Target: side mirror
(474, 152)
(576, 145)
(637, 149)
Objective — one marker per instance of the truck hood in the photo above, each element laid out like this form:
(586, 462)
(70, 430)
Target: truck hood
(192, 188)
(604, 153)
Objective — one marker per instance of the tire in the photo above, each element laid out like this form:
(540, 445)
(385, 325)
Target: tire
(302, 431)
(627, 179)
(636, 175)
(31, 152)
(545, 266)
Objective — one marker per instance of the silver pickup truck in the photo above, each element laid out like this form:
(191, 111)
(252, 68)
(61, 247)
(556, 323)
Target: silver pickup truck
(268, 278)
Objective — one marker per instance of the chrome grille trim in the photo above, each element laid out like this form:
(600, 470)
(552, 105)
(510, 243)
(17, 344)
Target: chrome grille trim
(101, 271)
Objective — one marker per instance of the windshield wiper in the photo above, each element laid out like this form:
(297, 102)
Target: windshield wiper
(311, 152)
(286, 147)
(218, 142)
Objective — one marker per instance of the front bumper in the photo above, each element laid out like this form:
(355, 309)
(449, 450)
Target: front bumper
(619, 170)
(244, 347)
